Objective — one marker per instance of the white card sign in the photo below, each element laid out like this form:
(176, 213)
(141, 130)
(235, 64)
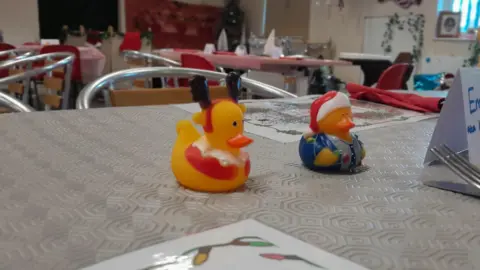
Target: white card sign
(247, 244)
(459, 124)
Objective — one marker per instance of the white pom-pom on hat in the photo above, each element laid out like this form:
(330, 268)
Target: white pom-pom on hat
(326, 104)
(340, 100)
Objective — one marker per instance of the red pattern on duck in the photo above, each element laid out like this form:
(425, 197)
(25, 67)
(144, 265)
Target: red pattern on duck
(216, 164)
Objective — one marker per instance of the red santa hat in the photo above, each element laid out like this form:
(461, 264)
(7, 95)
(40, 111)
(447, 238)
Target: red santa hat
(326, 104)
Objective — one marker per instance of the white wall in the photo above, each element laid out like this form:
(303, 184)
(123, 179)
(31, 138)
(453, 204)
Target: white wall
(288, 17)
(255, 15)
(19, 21)
(346, 28)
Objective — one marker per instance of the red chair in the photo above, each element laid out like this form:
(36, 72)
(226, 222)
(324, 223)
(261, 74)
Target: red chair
(394, 77)
(94, 37)
(197, 62)
(76, 71)
(131, 41)
(31, 43)
(5, 47)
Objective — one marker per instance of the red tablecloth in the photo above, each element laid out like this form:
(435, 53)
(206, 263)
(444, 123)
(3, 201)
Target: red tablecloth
(400, 100)
(92, 61)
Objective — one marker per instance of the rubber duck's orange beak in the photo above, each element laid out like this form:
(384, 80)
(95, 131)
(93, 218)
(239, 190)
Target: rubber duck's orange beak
(346, 124)
(239, 141)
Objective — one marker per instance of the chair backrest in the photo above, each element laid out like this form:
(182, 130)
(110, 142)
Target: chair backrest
(197, 62)
(149, 57)
(12, 104)
(76, 71)
(6, 46)
(137, 63)
(136, 59)
(12, 54)
(393, 77)
(404, 57)
(159, 96)
(84, 99)
(15, 87)
(54, 84)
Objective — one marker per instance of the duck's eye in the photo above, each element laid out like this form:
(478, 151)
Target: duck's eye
(234, 123)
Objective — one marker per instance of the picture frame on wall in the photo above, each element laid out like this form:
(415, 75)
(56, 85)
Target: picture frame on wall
(448, 24)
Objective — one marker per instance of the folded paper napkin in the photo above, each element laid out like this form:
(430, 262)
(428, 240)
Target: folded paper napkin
(405, 101)
(222, 42)
(270, 48)
(241, 50)
(209, 48)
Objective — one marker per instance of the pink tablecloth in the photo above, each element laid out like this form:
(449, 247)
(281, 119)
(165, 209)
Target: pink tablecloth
(256, 62)
(92, 61)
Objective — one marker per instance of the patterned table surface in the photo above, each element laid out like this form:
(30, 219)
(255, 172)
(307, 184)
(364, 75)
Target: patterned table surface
(79, 187)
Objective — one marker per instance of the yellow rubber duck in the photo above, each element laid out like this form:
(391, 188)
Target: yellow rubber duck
(330, 145)
(214, 161)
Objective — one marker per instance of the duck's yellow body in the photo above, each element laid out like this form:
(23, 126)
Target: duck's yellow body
(212, 162)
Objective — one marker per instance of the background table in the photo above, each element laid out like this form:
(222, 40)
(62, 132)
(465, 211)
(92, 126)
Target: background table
(256, 62)
(265, 69)
(372, 65)
(78, 187)
(92, 61)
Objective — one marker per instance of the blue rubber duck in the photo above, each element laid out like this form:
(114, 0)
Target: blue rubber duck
(330, 146)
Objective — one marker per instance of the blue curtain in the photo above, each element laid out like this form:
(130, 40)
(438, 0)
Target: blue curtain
(470, 13)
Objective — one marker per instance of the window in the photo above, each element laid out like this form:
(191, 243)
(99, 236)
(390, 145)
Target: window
(470, 10)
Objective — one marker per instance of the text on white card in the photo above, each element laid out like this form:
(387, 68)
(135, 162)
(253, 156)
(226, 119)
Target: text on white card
(474, 108)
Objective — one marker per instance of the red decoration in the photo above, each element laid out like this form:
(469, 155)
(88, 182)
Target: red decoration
(131, 41)
(94, 37)
(209, 166)
(173, 24)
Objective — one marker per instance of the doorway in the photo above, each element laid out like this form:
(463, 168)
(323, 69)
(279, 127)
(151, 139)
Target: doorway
(93, 14)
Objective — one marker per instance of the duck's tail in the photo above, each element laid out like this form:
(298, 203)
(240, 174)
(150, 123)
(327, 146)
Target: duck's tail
(186, 132)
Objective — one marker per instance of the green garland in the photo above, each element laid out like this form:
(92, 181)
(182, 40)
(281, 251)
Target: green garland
(415, 24)
(109, 34)
(144, 35)
(474, 49)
